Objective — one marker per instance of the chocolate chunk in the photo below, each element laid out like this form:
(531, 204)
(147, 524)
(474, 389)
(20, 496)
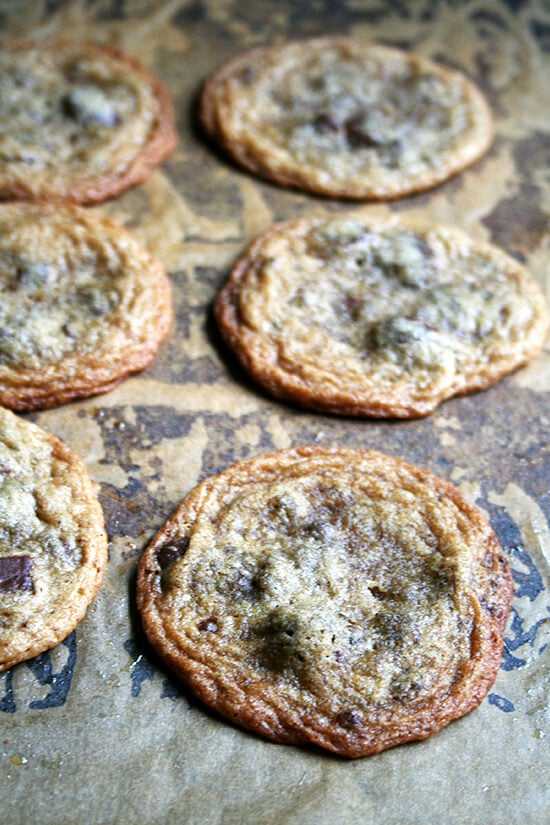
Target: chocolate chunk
(15, 573)
(209, 625)
(356, 134)
(96, 302)
(246, 75)
(326, 123)
(348, 719)
(89, 105)
(168, 553)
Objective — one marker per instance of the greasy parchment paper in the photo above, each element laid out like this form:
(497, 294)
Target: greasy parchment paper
(97, 731)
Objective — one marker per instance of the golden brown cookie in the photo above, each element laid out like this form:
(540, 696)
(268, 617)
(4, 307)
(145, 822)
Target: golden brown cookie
(372, 317)
(78, 122)
(82, 304)
(338, 597)
(343, 118)
(53, 547)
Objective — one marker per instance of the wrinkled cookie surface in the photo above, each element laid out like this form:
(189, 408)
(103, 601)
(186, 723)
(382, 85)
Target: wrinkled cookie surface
(78, 122)
(53, 547)
(370, 317)
(82, 304)
(331, 596)
(344, 118)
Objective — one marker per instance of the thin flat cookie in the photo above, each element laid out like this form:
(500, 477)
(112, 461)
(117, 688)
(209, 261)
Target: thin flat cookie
(53, 547)
(342, 118)
(82, 304)
(78, 122)
(373, 317)
(336, 597)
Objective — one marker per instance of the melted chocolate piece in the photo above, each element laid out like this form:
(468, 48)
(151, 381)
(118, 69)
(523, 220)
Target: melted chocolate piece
(209, 625)
(172, 550)
(348, 719)
(326, 123)
(15, 573)
(356, 134)
(246, 75)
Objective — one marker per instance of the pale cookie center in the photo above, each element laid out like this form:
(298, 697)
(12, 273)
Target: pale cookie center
(317, 581)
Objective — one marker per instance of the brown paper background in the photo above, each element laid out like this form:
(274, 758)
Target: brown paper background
(96, 731)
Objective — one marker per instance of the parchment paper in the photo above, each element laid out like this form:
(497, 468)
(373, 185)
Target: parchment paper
(97, 731)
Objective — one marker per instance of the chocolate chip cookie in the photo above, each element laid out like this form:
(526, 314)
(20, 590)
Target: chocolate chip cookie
(53, 547)
(343, 118)
(337, 597)
(78, 122)
(354, 315)
(82, 304)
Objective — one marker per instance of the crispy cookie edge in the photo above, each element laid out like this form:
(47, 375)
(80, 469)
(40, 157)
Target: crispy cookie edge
(258, 358)
(94, 547)
(248, 708)
(26, 390)
(94, 189)
(213, 119)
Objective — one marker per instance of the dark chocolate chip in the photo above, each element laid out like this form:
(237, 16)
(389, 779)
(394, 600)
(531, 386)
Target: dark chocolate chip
(246, 75)
(326, 123)
(15, 573)
(356, 134)
(209, 625)
(172, 550)
(348, 719)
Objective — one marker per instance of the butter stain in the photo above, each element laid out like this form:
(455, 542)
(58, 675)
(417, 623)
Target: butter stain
(18, 759)
(529, 518)
(471, 490)
(109, 474)
(257, 215)
(83, 434)
(536, 375)
(181, 459)
(490, 181)
(249, 434)
(450, 422)
(170, 220)
(148, 32)
(198, 344)
(281, 438)
(447, 439)
(232, 400)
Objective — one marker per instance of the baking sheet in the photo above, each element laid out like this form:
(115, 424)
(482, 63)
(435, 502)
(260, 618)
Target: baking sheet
(96, 730)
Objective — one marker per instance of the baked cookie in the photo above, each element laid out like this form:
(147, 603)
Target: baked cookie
(339, 117)
(368, 317)
(338, 597)
(82, 304)
(53, 547)
(78, 122)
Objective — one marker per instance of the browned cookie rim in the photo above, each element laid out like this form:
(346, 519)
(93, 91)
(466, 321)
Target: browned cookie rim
(93, 543)
(214, 117)
(255, 705)
(258, 355)
(78, 376)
